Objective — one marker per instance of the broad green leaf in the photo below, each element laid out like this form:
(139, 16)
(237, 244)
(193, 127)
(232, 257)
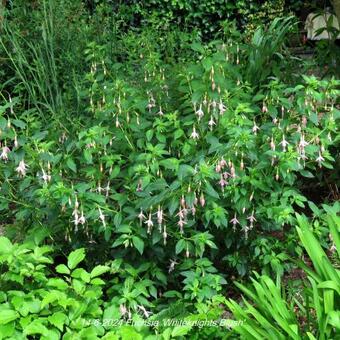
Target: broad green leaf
(5, 245)
(99, 270)
(58, 320)
(62, 269)
(138, 244)
(7, 315)
(75, 257)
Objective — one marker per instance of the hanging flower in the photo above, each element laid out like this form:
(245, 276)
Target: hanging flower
(272, 144)
(284, 144)
(320, 159)
(149, 223)
(211, 123)
(222, 108)
(22, 168)
(102, 217)
(160, 112)
(234, 221)
(45, 176)
(200, 112)
(202, 200)
(4, 153)
(159, 216)
(194, 135)
(141, 217)
(82, 219)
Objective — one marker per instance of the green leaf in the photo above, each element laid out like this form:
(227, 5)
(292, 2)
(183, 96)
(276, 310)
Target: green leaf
(138, 244)
(180, 245)
(5, 245)
(62, 269)
(99, 270)
(211, 191)
(71, 164)
(58, 320)
(7, 315)
(180, 331)
(75, 257)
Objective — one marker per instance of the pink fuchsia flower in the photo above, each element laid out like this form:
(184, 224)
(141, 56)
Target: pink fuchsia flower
(160, 112)
(102, 217)
(22, 168)
(172, 265)
(211, 123)
(159, 216)
(255, 128)
(223, 162)
(284, 144)
(181, 224)
(199, 112)
(45, 176)
(302, 142)
(4, 153)
(194, 135)
(222, 108)
(165, 234)
(320, 159)
(234, 221)
(141, 217)
(251, 218)
(202, 200)
(82, 219)
(149, 223)
(122, 310)
(264, 108)
(272, 144)
(222, 182)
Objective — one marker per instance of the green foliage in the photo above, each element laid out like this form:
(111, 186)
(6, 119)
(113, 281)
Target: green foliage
(167, 160)
(270, 315)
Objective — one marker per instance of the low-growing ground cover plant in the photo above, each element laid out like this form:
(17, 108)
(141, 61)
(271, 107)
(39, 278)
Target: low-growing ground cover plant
(140, 184)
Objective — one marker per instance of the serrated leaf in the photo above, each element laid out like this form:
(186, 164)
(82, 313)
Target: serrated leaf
(99, 270)
(138, 244)
(58, 320)
(75, 257)
(62, 269)
(71, 164)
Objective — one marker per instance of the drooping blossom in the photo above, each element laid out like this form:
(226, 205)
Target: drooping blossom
(202, 200)
(159, 216)
(194, 135)
(145, 312)
(149, 223)
(22, 168)
(255, 128)
(4, 154)
(284, 144)
(320, 159)
(141, 217)
(211, 123)
(160, 112)
(234, 221)
(45, 176)
(222, 108)
(102, 217)
(272, 144)
(222, 182)
(172, 265)
(181, 224)
(82, 219)
(165, 234)
(251, 219)
(200, 112)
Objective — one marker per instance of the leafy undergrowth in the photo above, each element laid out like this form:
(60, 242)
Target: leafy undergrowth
(137, 185)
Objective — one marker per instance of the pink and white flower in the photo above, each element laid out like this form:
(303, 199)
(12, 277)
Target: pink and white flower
(22, 168)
